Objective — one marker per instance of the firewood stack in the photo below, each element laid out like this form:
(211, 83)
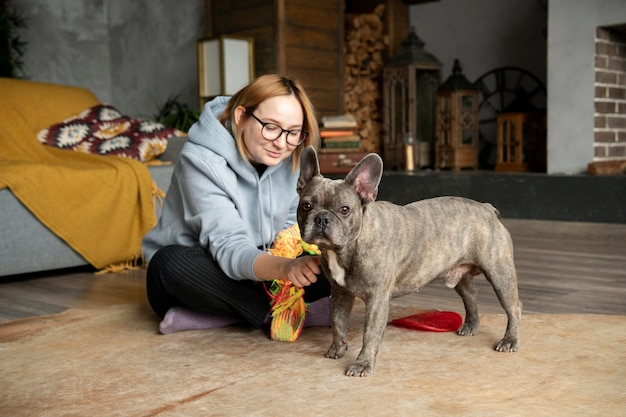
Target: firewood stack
(364, 50)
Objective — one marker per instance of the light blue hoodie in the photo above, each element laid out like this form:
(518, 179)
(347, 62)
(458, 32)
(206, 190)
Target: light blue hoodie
(218, 201)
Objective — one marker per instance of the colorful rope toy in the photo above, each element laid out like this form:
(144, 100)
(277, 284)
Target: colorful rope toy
(286, 300)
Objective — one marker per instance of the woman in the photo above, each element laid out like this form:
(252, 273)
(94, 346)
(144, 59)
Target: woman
(234, 188)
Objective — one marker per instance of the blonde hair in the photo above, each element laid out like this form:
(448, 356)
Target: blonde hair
(261, 89)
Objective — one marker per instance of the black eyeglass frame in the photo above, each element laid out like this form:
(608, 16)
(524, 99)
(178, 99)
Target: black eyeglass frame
(303, 133)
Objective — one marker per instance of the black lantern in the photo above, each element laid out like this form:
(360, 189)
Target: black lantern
(410, 79)
(457, 122)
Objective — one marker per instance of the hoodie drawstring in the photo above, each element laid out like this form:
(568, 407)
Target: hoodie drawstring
(260, 203)
(272, 233)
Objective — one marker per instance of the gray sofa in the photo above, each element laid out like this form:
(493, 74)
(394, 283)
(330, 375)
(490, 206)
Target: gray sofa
(28, 246)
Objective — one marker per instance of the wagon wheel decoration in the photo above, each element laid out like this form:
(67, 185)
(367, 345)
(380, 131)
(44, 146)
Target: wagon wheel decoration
(498, 88)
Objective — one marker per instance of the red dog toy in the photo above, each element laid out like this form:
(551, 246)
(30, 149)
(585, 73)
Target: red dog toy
(431, 321)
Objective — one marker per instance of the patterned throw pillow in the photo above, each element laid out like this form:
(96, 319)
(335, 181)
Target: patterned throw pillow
(103, 130)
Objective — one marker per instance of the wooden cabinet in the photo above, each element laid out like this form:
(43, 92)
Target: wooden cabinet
(301, 38)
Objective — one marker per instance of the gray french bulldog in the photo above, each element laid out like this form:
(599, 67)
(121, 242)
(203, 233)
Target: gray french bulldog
(377, 251)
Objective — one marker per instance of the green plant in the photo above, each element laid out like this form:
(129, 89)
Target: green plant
(12, 47)
(178, 115)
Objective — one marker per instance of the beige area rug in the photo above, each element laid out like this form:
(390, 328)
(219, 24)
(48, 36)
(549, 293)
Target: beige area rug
(111, 362)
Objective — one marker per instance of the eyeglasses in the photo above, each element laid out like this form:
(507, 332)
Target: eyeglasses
(271, 131)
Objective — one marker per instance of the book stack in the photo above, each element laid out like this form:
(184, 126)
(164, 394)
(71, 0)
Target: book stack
(339, 134)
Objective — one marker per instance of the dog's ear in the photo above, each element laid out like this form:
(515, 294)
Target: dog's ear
(365, 177)
(309, 167)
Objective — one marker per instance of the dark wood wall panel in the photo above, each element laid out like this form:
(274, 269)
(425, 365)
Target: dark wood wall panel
(314, 14)
(242, 18)
(311, 39)
(297, 37)
(313, 42)
(319, 60)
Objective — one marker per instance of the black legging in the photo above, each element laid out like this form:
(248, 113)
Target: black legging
(189, 277)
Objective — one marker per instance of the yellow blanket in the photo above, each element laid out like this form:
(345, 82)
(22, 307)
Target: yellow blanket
(101, 206)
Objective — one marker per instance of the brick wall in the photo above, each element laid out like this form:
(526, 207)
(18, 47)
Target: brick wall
(610, 95)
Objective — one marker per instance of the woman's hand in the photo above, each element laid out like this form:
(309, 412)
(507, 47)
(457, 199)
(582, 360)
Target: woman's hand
(303, 271)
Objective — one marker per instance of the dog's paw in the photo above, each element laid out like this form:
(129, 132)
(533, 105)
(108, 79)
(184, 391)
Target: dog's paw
(468, 329)
(507, 345)
(360, 368)
(337, 350)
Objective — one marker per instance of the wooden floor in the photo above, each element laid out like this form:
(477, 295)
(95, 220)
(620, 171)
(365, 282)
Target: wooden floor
(562, 267)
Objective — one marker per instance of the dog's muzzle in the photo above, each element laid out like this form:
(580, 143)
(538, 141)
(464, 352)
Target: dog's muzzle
(322, 221)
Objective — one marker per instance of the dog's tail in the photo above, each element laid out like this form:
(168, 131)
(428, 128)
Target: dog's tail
(492, 208)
